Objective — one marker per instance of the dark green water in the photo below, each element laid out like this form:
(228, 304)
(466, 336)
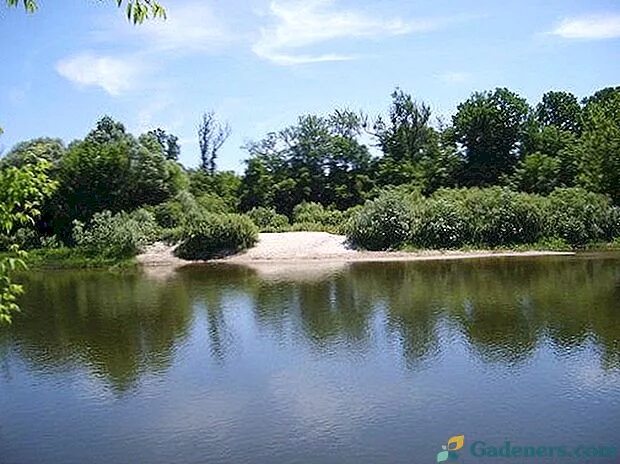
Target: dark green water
(367, 363)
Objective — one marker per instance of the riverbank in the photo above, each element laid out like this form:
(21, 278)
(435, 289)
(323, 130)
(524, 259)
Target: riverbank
(313, 247)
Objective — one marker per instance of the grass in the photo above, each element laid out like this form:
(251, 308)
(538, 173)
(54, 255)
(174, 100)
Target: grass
(74, 258)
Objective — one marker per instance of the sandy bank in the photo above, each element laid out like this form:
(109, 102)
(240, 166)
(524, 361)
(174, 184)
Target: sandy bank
(309, 247)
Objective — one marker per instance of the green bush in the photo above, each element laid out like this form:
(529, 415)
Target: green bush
(120, 235)
(578, 216)
(495, 216)
(215, 235)
(489, 217)
(315, 213)
(27, 238)
(184, 208)
(268, 220)
(382, 224)
(442, 224)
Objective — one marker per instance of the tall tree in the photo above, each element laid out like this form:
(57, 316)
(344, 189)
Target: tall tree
(168, 142)
(211, 136)
(406, 133)
(490, 126)
(413, 151)
(599, 146)
(560, 109)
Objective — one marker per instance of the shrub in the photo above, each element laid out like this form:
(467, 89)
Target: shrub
(496, 216)
(382, 224)
(315, 213)
(579, 216)
(216, 235)
(268, 220)
(120, 235)
(184, 208)
(443, 224)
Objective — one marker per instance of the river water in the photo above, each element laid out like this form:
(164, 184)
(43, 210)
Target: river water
(334, 363)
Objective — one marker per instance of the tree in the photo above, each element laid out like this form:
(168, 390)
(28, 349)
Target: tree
(490, 126)
(211, 136)
(536, 173)
(111, 170)
(23, 188)
(560, 109)
(413, 151)
(406, 134)
(599, 146)
(21, 192)
(168, 142)
(319, 159)
(30, 151)
(137, 10)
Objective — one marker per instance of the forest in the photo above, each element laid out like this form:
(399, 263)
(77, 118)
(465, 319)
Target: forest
(500, 173)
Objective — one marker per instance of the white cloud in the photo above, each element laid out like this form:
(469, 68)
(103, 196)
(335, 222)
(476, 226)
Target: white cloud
(589, 27)
(114, 75)
(454, 77)
(300, 24)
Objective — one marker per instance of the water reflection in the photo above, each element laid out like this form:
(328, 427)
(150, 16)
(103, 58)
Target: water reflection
(120, 327)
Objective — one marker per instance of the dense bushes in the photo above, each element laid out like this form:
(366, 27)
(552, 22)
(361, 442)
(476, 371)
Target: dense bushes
(268, 220)
(383, 223)
(491, 217)
(120, 235)
(579, 217)
(216, 235)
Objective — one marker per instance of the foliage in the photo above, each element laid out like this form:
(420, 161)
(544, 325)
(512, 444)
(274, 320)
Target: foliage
(21, 192)
(560, 110)
(537, 173)
(599, 147)
(169, 143)
(579, 217)
(119, 236)
(382, 224)
(490, 126)
(268, 220)
(216, 235)
(32, 151)
(497, 216)
(490, 217)
(110, 170)
(137, 10)
(320, 159)
(223, 184)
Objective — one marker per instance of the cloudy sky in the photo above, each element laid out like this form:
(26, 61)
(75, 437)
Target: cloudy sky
(261, 63)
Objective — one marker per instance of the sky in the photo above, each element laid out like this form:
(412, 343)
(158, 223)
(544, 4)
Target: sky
(259, 64)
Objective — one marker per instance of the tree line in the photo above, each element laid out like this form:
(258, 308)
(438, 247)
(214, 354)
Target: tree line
(339, 160)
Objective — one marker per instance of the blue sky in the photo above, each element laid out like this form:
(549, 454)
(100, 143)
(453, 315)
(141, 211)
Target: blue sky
(259, 64)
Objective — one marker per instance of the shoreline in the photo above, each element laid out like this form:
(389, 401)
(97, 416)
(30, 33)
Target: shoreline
(312, 248)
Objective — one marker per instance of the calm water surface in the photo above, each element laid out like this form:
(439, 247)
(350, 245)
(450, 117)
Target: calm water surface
(364, 363)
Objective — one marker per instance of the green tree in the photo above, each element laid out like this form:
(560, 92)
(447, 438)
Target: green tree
(599, 149)
(560, 109)
(111, 170)
(168, 142)
(320, 159)
(490, 127)
(31, 151)
(536, 173)
(21, 192)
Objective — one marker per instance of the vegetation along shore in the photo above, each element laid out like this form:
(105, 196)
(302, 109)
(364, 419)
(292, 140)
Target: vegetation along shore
(503, 175)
